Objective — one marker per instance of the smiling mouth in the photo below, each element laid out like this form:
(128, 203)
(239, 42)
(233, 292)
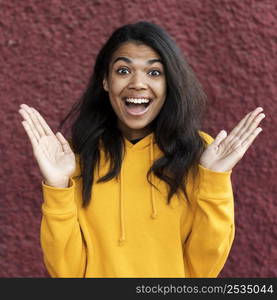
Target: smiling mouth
(137, 106)
(137, 101)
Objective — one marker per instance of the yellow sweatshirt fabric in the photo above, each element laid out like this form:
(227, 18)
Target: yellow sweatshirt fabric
(128, 230)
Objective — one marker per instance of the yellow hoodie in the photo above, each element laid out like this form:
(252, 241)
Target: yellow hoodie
(128, 230)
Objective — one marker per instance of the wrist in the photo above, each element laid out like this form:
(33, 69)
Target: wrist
(216, 167)
(62, 184)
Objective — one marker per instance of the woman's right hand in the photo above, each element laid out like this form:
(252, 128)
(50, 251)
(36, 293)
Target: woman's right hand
(55, 158)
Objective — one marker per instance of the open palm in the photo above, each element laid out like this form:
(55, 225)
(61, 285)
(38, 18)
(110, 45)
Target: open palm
(227, 150)
(55, 158)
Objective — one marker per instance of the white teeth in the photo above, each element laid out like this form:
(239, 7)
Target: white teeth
(137, 100)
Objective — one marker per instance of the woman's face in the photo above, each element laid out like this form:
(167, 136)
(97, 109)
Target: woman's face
(137, 88)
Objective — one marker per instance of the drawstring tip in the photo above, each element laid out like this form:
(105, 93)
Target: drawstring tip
(121, 242)
(154, 216)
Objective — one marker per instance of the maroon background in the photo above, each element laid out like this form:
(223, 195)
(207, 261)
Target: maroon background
(47, 50)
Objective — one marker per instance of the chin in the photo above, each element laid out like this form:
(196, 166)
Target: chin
(137, 125)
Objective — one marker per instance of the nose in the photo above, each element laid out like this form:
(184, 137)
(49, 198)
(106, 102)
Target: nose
(137, 82)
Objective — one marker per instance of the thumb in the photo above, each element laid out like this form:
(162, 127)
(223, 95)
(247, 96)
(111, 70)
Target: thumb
(219, 138)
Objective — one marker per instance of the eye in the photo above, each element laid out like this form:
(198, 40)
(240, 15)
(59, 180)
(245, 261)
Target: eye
(155, 72)
(122, 71)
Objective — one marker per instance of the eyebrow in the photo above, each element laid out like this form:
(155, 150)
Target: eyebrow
(129, 61)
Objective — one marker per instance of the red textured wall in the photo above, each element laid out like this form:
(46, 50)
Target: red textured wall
(47, 50)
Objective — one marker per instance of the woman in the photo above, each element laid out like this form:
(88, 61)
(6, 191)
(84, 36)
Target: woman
(139, 191)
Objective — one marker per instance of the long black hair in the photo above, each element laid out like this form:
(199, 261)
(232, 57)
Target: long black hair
(175, 129)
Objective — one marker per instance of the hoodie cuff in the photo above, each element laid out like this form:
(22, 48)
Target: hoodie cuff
(58, 200)
(215, 184)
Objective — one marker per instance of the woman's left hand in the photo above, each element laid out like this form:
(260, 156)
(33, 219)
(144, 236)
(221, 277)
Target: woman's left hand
(227, 150)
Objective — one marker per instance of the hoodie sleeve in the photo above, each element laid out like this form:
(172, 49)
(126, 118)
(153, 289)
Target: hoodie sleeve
(62, 243)
(212, 234)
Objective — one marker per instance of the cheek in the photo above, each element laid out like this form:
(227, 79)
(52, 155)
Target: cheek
(161, 92)
(160, 89)
(115, 89)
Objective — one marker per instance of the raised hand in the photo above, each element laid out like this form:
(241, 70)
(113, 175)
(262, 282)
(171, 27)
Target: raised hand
(54, 156)
(227, 150)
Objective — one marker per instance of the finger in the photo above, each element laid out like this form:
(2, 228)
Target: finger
(26, 112)
(250, 139)
(64, 143)
(43, 123)
(30, 134)
(235, 134)
(252, 118)
(30, 123)
(252, 127)
(219, 138)
(33, 120)
(37, 148)
(36, 122)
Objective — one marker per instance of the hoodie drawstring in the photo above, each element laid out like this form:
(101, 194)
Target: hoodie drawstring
(122, 225)
(154, 214)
